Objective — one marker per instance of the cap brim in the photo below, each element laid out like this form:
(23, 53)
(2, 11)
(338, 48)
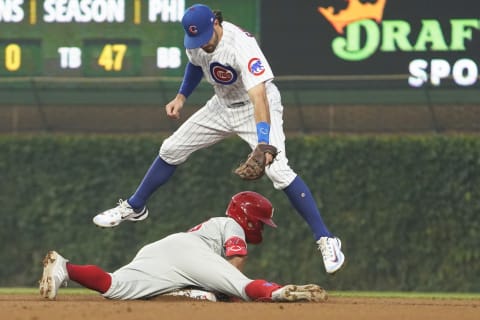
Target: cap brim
(269, 222)
(197, 41)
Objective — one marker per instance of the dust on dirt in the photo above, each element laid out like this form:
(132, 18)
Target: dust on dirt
(83, 307)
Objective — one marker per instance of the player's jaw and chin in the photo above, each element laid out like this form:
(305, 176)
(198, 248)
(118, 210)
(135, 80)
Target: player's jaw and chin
(211, 45)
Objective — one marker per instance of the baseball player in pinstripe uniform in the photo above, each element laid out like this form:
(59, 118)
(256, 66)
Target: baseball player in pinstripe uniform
(246, 103)
(210, 256)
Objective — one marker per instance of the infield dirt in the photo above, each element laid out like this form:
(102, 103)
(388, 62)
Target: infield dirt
(74, 307)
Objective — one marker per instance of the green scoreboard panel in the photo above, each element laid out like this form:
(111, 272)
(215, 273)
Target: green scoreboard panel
(104, 38)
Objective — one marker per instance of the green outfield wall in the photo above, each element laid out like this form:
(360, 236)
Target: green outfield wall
(406, 208)
(133, 105)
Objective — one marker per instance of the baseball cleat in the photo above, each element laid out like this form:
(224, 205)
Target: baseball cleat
(123, 211)
(193, 294)
(54, 274)
(292, 293)
(333, 257)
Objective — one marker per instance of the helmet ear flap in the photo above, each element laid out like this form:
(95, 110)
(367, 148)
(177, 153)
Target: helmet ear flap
(251, 210)
(253, 233)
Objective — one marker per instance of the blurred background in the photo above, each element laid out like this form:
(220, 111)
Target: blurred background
(382, 110)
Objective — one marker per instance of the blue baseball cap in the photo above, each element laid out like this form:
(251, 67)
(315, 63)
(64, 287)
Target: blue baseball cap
(198, 24)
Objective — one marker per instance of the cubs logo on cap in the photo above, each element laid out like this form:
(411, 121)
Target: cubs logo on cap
(193, 30)
(198, 25)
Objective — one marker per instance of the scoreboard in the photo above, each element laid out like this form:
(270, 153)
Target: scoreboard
(341, 42)
(102, 38)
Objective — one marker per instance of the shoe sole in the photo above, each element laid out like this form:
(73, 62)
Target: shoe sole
(339, 269)
(47, 284)
(193, 294)
(111, 225)
(309, 292)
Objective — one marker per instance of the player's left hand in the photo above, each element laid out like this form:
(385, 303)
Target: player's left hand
(268, 158)
(254, 167)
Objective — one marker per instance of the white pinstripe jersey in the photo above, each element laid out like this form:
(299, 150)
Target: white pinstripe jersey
(236, 65)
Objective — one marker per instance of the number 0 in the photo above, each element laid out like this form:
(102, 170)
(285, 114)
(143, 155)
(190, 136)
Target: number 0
(13, 57)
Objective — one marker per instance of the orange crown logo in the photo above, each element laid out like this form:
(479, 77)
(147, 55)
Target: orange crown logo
(355, 11)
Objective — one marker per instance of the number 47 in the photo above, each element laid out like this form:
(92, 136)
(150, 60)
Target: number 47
(112, 56)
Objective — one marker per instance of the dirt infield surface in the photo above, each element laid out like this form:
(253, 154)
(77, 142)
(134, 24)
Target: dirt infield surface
(73, 307)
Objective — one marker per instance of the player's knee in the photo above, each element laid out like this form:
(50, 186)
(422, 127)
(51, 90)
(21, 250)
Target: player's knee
(165, 150)
(169, 153)
(281, 176)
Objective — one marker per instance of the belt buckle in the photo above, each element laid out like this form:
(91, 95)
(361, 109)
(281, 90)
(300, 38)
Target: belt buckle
(237, 104)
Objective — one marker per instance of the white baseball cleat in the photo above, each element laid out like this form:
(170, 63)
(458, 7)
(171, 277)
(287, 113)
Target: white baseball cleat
(333, 257)
(123, 211)
(54, 274)
(291, 293)
(193, 294)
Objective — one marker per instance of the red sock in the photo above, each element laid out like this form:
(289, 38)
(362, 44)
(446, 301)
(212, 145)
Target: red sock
(90, 276)
(261, 289)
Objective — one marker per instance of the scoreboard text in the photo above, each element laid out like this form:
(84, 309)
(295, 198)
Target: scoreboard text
(99, 37)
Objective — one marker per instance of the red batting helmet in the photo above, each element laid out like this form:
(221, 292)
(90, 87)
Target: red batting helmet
(251, 210)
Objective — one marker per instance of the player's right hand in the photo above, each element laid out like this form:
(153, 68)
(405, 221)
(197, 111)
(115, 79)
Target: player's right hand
(173, 107)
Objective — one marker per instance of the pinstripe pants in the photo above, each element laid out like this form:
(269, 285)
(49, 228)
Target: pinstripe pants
(215, 122)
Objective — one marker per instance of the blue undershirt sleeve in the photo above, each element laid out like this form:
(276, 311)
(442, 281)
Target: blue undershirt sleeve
(192, 77)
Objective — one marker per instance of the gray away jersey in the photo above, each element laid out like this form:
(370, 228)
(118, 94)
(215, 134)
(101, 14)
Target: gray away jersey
(194, 258)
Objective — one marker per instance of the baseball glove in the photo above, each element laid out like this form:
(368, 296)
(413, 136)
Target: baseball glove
(254, 167)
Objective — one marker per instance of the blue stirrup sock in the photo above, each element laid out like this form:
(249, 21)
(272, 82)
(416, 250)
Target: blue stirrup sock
(302, 200)
(158, 173)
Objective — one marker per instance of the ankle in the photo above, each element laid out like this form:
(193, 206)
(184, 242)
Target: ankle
(261, 290)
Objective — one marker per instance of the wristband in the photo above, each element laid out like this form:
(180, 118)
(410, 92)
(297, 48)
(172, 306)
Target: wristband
(263, 132)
